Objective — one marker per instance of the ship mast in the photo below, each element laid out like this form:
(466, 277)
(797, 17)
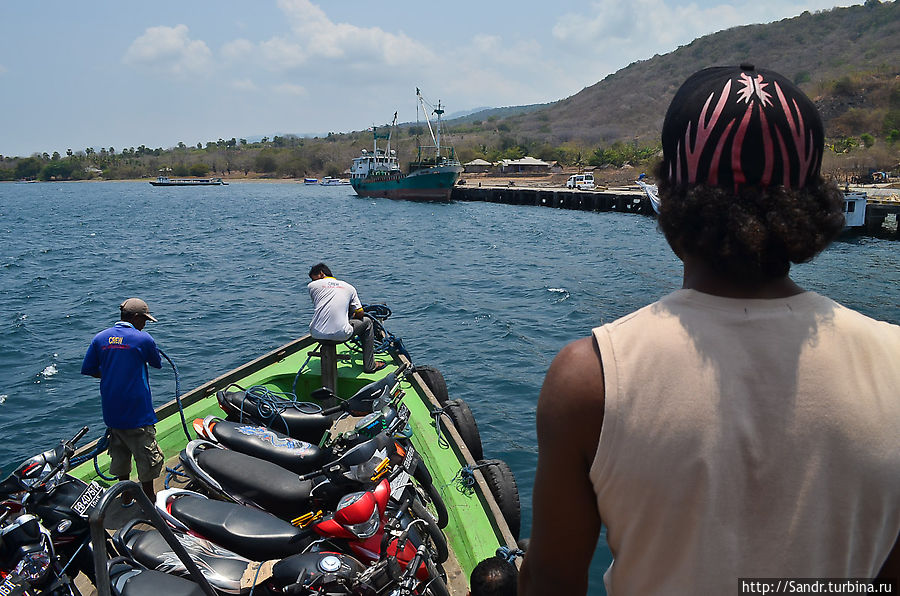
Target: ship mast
(438, 111)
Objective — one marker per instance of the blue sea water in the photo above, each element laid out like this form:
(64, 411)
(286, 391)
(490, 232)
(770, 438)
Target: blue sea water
(487, 293)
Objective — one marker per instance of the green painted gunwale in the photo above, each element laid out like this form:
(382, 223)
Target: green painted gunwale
(476, 527)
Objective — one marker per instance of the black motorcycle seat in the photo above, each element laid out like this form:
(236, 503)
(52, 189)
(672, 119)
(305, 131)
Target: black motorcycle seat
(289, 453)
(292, 421)
(251, 533)
(150, 549)
(273, 488)
(153, 583)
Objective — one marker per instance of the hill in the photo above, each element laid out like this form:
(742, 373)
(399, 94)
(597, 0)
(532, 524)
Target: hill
(846, 59)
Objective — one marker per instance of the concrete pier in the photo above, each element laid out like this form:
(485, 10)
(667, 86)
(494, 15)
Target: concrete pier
(625, 200)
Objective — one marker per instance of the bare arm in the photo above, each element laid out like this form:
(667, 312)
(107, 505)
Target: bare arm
(891, 567)
(566, 523)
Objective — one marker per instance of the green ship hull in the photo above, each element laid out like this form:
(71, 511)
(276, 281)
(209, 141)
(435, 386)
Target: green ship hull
(432, 184)
(476, 526)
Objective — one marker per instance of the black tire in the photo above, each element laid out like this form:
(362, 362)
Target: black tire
(437, 584)
(438, 540)
(503, 486)
(436, 383)
(465, 424)
(434, 502)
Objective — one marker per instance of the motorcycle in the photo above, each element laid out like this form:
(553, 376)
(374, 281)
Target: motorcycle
(306, 421)
(42, 487)
(362, 524)
(28, 563)
(301, 457)
(230, 573)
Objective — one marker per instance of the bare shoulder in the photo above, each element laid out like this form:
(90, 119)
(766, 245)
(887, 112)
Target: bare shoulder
(572, 397)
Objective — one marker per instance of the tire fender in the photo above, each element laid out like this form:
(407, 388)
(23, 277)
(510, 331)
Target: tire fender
(435, 382)
(503, 486)
(464, 421)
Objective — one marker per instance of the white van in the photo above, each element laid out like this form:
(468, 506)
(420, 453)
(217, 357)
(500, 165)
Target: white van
(581, 181)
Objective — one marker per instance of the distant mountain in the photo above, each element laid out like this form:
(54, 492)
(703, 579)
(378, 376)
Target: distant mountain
(846, 59)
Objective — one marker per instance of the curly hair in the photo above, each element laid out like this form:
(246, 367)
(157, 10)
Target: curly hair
(751, 235)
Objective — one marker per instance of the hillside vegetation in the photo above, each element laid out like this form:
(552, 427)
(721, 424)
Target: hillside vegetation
(846, 59)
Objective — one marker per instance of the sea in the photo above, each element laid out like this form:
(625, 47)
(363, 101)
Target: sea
(486, 293)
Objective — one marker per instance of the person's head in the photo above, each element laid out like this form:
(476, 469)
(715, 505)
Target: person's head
(136, 312)
(740, 184)
(494, 576)
(319, 270)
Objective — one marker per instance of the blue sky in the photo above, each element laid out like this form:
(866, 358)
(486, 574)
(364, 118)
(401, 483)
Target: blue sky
(122, 74)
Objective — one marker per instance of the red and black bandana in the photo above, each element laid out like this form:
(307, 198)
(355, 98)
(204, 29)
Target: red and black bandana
(731, 127)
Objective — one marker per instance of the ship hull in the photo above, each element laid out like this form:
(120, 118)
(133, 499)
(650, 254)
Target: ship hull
(432, 184)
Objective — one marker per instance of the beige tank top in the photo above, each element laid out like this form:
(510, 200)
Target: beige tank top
(747, 438)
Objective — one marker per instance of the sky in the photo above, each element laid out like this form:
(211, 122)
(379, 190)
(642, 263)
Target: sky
(119, 74)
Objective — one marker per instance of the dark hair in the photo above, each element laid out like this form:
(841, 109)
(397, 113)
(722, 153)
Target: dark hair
(494, 576)
(320, 268)
(751, 234)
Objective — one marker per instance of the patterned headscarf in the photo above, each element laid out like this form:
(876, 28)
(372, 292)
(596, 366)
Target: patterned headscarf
(730, 127)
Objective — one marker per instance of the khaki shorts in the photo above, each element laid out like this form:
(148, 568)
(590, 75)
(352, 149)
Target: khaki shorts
(139, 443)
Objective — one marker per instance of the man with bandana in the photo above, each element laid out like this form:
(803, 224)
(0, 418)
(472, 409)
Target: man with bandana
(740, 427)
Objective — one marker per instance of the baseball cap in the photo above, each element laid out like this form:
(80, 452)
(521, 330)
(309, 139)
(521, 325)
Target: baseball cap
(136, 306)
(734, 126)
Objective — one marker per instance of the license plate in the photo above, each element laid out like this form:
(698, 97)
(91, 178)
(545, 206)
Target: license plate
(410, 460)
(398, 485)
(87, 499)
(13, 585)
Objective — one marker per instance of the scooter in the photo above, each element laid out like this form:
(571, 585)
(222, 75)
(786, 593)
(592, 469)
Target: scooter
(230, 573)
(362, 524)
(391, 420)
(42, 487)
(28, 563)
(306, 421)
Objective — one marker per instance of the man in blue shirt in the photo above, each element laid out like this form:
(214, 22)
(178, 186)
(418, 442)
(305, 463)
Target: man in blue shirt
(119, 357)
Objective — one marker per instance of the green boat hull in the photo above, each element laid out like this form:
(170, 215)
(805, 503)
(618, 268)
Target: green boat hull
(476, 527)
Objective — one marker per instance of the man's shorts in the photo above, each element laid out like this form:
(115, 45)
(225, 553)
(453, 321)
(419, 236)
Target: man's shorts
(137, 442)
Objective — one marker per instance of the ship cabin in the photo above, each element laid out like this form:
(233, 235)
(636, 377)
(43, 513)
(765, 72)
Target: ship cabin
(374, 163)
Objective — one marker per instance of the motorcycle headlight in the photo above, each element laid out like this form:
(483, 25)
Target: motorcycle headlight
(368, 528)
(33, 566)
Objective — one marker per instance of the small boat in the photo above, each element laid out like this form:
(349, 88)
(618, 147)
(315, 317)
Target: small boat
(430, 177)
(166, 181)
(480, 495)
(310, 181)
(329, 181)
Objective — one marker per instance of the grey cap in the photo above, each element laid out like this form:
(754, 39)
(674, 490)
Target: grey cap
(136, 306)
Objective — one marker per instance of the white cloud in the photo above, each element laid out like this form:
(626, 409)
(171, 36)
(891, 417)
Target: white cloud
(290, 89)
(317, 38)
(169, 50)
(243, 85)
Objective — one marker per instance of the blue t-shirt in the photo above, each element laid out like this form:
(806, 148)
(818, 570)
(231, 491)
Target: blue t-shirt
(120, 356)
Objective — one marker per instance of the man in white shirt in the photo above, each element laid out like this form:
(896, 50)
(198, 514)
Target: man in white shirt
(339, 314)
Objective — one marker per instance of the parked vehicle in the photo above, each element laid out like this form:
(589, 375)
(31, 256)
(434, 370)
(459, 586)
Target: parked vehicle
(581, 181)
(41, 486)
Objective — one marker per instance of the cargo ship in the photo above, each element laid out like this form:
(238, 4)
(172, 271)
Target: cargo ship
(429, 178)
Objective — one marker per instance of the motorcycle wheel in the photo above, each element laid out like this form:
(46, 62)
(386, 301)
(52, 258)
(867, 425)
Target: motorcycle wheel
(436, 541)
(436, 585)
(430, 496)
